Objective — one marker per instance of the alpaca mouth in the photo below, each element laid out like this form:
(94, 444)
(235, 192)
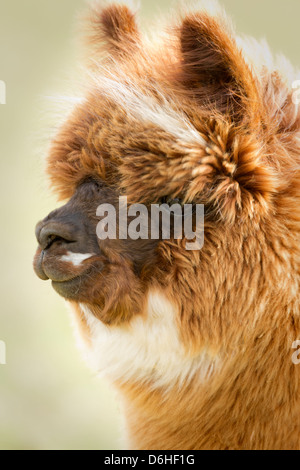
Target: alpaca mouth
(67, 279)
(48, 268)
(69, 289)
(38, 265)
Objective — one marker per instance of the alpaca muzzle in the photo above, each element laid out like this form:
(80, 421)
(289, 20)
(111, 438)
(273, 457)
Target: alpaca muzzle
(65, 245)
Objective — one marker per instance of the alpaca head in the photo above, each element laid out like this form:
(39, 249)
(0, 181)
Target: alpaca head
(186, 117)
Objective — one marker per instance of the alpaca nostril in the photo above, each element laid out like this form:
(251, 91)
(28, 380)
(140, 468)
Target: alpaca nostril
(54, 232)
(51, 239)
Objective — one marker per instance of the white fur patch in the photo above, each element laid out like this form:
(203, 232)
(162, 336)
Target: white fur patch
(75, 258)
(146, 349)
(146, 108)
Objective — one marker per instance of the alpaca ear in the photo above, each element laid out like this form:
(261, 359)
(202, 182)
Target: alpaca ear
(213, 69)
(214, 74)
(115, 26)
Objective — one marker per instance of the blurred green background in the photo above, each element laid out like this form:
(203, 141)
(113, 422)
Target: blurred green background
(48, 397)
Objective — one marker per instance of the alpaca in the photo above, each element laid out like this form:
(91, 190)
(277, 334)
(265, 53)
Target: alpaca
(199, 343)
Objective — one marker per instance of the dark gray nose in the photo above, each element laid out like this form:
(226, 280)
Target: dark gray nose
(49, 232)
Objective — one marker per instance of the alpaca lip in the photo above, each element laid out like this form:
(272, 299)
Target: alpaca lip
(49, 266)
(67, 279)
(74, 287)
(45, 270)
(38, 265)
(70, 288)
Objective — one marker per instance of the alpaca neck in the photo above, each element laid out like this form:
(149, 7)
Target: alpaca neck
(245, 406)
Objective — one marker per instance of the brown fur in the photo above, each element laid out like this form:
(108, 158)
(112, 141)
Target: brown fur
(116, 26)
(239, 295)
